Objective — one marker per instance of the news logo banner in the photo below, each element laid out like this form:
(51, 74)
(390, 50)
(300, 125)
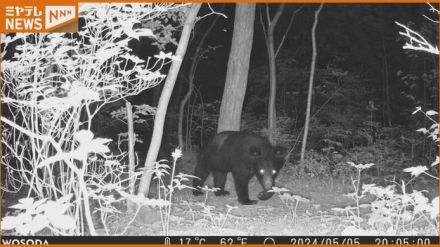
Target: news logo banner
(26, 16)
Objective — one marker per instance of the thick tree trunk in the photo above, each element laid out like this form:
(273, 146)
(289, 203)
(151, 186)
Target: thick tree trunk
(311, 79)
(238, 68)
(159, 119)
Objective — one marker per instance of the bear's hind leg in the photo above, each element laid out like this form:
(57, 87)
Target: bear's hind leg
(219, 182)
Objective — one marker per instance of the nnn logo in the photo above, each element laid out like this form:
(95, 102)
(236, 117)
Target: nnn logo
(56, 15)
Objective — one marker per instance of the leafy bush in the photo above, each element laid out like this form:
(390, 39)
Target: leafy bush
(33, 216)
(393, 212)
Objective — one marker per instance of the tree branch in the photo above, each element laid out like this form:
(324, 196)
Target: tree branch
(277, 15)
(416, 41)
(262, 25)
(268, 14)
(40, 137)
(213, 12)
(287, 30)
(434, 10)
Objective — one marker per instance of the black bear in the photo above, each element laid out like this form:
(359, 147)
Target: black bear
(244, 155)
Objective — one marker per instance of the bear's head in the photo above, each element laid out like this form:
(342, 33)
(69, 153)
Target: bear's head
(265, 165)
(279, 153)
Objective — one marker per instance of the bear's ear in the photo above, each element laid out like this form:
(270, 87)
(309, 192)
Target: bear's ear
(279, 151)
(254, 151)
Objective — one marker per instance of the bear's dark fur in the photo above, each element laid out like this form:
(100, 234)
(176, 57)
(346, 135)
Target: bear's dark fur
(243, 154)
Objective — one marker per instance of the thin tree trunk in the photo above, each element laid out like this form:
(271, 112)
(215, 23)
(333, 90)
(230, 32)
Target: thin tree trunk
(387, 85)
(287, 29)
(164, 99)
(85, 193)
(185, 99)
(272, 54)
(272, 117)
(311, 79)
(191, 74)
(188, 126)
(238, 68)
(190, 123)
(131, 144)
(384, 99)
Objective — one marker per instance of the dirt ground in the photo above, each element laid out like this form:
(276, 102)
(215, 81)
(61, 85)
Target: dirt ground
(271, 217)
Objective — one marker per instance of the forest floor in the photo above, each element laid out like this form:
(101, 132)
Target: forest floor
(224, 216)
(272, 217)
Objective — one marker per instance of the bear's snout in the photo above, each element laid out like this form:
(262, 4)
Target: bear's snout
(267, 182)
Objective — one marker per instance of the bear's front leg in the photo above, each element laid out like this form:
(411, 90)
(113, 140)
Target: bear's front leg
(201, 172)
(241, 186)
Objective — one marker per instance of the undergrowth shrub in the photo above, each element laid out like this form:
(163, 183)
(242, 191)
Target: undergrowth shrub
(389, 159)
(290, 201)
(165, 190)
(324, 165)
(394, 211)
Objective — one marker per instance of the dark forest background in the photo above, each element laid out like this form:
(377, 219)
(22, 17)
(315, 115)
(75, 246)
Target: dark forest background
(365, 91)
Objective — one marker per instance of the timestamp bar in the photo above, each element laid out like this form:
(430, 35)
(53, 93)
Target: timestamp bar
(223, 240)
